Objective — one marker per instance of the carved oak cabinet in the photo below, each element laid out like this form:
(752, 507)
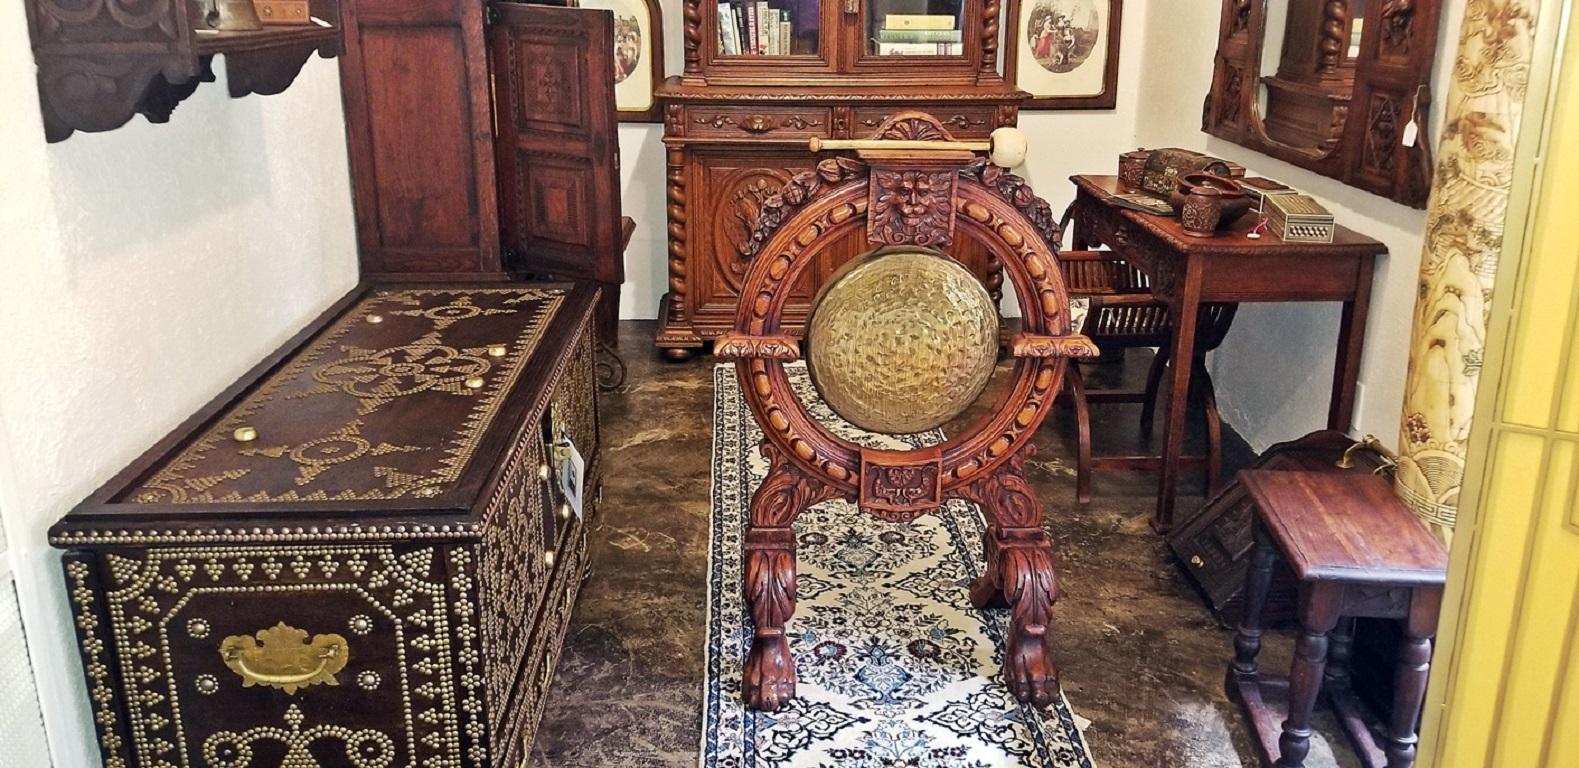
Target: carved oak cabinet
(362, 554)
(737, 123)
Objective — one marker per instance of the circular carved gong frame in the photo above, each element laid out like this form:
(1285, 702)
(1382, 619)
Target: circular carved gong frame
(892, 194)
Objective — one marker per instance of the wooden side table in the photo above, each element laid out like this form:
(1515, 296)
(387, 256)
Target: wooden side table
(1229, 267)
(1356, 551)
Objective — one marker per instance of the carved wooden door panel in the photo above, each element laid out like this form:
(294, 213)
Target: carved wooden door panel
(558, 155)
(731, 187)
(415, 85)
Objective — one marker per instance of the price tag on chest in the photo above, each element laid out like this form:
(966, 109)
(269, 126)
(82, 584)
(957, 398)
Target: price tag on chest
(572, 471)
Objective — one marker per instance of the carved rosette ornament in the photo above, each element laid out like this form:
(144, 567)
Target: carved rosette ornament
(983, 464)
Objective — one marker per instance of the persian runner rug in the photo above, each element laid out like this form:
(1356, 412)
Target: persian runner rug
(895, 668)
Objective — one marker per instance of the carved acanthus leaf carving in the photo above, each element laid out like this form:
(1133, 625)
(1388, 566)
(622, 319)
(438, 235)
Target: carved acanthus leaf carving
(735, 346)
(1017, 193)
(1037, 345)
(801, 188)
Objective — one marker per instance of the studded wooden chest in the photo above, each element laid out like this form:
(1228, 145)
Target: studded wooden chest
(363, 554)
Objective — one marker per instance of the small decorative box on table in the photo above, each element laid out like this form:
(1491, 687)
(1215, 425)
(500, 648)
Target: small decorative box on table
(362, 554)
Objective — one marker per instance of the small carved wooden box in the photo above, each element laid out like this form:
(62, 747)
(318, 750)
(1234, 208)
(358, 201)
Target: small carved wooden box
(363, 554)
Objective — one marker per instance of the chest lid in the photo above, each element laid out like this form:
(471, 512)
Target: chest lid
(398, 403)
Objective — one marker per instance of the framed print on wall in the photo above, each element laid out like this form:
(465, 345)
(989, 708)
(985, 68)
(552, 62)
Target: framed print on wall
(638, 57)
(1065, 52)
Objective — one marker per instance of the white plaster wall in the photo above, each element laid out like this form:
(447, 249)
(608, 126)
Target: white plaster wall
(1062, 144)
(1274, 372)
(141, 271)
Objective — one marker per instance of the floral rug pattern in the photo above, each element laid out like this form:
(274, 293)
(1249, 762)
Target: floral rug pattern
(895, 668)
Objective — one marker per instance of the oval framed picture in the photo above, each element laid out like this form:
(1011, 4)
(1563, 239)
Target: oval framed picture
(638, 56)
(1065, 52)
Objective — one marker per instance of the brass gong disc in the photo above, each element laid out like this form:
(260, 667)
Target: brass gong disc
(901, 340)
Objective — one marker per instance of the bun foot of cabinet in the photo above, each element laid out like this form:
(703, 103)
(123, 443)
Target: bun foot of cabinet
(675, 339)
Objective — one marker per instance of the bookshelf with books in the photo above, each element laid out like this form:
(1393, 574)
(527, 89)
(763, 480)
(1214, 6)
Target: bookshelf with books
(762, 77)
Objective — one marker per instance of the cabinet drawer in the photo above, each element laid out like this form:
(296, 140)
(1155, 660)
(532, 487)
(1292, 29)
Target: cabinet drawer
(965, 122)
(742, 122)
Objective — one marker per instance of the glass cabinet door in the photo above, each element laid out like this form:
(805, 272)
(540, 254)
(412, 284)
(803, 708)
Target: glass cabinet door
(913, 28)
(756, 29)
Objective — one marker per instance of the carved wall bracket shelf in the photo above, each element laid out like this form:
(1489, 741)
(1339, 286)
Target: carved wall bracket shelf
(101, 63)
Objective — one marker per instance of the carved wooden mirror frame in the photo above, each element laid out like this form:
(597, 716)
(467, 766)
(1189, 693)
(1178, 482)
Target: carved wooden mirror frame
(983, 464)
(1370, 144)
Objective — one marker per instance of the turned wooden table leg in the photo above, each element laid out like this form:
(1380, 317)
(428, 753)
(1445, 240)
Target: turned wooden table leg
(1258, 582)
(768, 679)
(1339, 654)
(1414, 666)
(1319, 606)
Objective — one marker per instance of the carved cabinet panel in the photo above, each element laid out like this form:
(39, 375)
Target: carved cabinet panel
(719, 179)
(363, 558)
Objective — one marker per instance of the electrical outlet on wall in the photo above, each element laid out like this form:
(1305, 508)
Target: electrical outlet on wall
(1359, 406)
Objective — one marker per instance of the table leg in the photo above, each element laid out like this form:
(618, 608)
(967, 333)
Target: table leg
(1339, 656)
(1351, 343)
(1318, 615)
(1414, 666)
(1079, 237)
(1258, 582)
(1185, 309)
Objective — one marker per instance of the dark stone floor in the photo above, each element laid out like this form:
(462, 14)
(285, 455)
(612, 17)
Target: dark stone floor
(1140, 655)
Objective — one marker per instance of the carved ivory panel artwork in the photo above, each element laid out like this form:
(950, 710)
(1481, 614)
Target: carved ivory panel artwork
(1463, 241)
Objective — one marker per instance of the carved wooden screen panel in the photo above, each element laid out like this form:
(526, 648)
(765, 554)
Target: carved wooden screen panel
(420, 143)
(556, 144)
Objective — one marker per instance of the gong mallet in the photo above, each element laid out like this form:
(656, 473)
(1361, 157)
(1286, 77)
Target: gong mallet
(1005, 148)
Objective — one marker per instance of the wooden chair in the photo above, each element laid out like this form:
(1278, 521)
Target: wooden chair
(1123, 315)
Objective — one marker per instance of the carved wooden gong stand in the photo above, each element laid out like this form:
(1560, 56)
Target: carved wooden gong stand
(984, 464)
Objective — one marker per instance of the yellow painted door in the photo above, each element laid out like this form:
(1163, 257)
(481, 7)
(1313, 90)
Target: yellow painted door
(1505, 688)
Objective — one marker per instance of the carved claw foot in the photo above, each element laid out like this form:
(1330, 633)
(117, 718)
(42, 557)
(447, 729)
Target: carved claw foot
(768, 682)
(1027, 667)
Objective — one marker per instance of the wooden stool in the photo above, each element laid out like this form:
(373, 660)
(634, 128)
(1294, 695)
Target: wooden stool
(1356, 551)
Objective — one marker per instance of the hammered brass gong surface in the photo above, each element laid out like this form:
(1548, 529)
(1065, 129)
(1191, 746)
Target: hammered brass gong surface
(902, 340)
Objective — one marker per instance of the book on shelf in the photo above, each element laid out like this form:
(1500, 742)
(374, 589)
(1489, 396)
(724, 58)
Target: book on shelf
(919, 21)
(755, 28)
(920, 49)
(752, 30)
(728, 30)
(771, 30)
(919, 36)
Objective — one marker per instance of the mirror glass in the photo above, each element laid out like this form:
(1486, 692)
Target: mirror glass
(1307, 72)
